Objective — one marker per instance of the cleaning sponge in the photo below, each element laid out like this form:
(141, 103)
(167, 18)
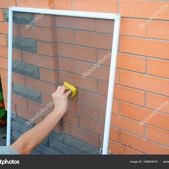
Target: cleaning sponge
(72, 88)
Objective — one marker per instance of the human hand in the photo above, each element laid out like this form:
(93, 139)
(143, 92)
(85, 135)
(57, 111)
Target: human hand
(60, 100)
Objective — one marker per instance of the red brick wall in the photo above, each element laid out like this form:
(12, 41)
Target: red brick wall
(141, 106)
(64, 49)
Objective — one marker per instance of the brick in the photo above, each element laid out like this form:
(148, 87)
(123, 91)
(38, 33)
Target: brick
(154, 28)
(1, 15)
(63, 4)
(135, 112)
(159, 120)
(25, 69)
(25, 114)
(46, 99)
(33, 4)
(6, 4)
(158, 135)
(42, 86)
(102, 53)
(4, 63)
(96, 6)
(13, 108)
(127, 124)
(102, 113)
(24, 44)
(4, 51)
(104, 26)
(76, 52)
(129, 94)
(20, 101)
(158, 67)
(117, 148)
(144, 82)
(63, 35)
(82, 83)
(83, 110)
(48, 75)
(133, 27)
(40, 60)
(16, 30)
(85, 136)
(140, 144)
(158, 102)
(27, 93)
(91, 125)
(4, 74)
(91, 99)
(44, 20)
(140, 46)
(3, 41)
(35, 107)
(35, 32)
(45, 48)
(75, 23)
(71, 118)
(92, 39)
(68, 65)
(94, 70)
(116, 106)
(102, 87)
(4, 27)
(131, 62)
(17, 54)
(144, 9)
(115, 134)
(17, 78)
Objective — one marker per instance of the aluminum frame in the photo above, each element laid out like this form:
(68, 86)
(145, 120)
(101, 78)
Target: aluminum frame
(114, 52)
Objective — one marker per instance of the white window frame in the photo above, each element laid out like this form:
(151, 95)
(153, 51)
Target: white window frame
(114, 52)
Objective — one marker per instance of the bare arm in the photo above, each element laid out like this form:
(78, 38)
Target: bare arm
(33, 137)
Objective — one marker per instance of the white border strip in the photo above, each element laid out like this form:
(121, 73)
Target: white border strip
(9, 100)
(111, 86)
(108, 16)
(82, 14)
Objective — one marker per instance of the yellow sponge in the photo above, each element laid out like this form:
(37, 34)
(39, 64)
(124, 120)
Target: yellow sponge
(72, 88)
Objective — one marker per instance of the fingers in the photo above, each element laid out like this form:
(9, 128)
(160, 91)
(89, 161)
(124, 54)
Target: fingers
(58, 89)
(68, 93)
(62, 89)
